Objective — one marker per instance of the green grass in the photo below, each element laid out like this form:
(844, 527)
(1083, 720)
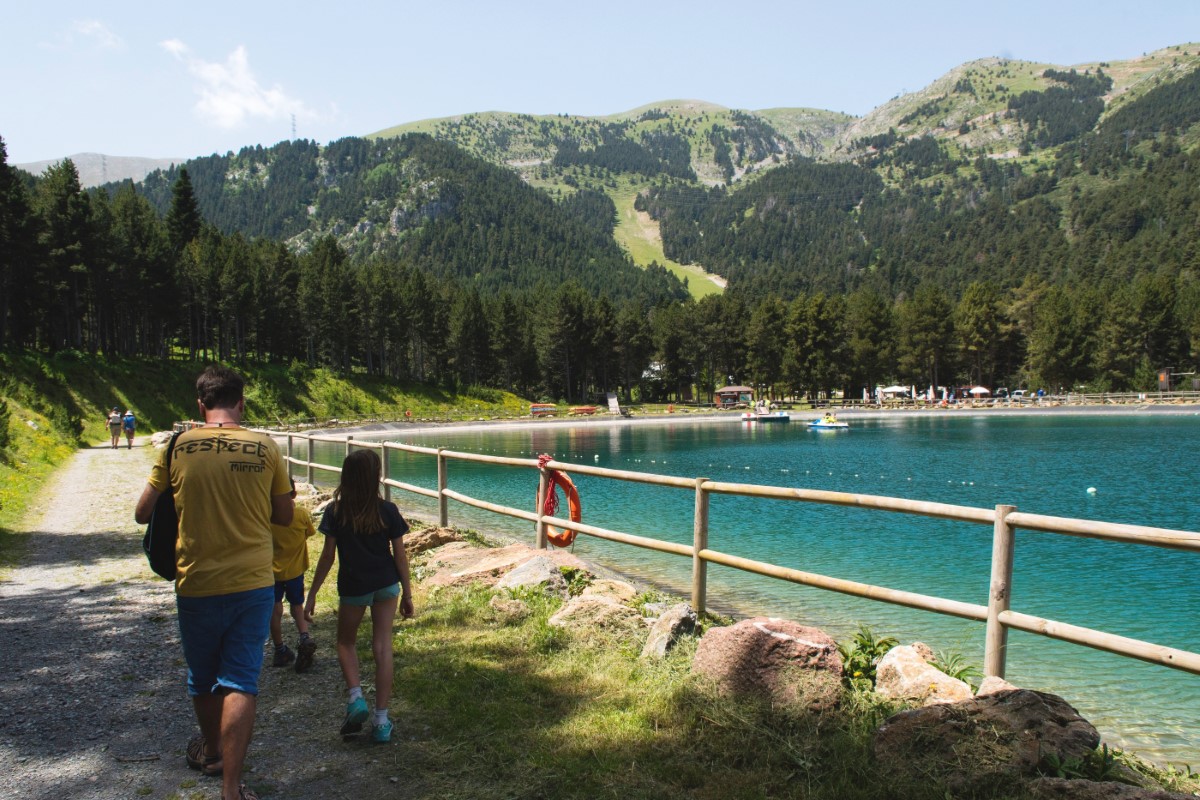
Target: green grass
(643, 243)
(35, 450)
(551, 713)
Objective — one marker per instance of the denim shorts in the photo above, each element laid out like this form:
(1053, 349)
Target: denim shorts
(371, 598)
(223, 639)
(293, 590)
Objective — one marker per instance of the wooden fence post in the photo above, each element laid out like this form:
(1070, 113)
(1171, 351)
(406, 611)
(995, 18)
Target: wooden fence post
(348, 445)
(541, 542)
(443, 501)
(995, 649)
(309, 458)
(387, 489)
(700, 542)
(289, 455)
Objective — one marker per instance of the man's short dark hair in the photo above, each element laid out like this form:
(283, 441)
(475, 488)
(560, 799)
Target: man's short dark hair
(219, 387)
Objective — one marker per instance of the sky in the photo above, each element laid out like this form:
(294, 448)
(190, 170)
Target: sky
(181, 80)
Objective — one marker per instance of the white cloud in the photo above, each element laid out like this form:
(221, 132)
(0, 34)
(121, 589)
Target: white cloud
(99, 33)
(84, 32)
(230, 95)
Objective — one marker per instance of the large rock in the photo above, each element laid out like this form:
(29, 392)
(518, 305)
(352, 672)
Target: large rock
(537, 572)
(508, 610)
(1063, 789)
(788, 663)
(977, 743)
(462, 563)
(905, 673)
(416, 542)
(595, 613)
(991, 684)
(615, 590)
(677, 621)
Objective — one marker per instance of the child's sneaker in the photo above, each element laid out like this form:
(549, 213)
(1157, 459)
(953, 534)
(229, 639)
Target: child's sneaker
(382, 733)
(283, 656)
(304, 657)
(356, 715)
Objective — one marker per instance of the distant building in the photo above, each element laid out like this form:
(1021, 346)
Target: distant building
(728, 396)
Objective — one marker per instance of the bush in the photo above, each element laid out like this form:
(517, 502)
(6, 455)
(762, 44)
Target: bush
(67, 421)
(5, 418)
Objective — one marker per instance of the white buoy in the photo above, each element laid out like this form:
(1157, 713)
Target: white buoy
(596, 458)
(1091, 490)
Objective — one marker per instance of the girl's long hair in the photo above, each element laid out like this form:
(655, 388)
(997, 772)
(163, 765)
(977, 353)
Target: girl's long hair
(356, 499)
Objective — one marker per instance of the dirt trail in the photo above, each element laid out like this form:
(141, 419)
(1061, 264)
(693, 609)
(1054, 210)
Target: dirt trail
(92, 697)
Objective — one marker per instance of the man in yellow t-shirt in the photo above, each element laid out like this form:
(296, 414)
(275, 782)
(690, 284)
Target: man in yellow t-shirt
(291, 562)
(230, 486)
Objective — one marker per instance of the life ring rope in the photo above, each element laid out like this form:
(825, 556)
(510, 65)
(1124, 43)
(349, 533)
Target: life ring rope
(554, 481)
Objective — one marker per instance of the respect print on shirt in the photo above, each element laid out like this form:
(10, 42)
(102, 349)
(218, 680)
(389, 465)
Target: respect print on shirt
(253, 454)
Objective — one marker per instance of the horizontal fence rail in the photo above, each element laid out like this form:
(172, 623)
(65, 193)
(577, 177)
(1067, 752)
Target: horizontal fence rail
(996, 614)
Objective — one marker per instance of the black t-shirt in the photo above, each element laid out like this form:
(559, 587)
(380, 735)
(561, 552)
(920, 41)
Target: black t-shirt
(366, 560)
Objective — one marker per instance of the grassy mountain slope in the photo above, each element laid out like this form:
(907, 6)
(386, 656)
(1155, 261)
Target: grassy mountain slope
(967, 111)
(721, 145)
(977, 94)
(415, 201)
(1024, 183)
(528, 144)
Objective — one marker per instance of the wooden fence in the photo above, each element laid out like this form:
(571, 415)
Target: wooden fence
(996, 614)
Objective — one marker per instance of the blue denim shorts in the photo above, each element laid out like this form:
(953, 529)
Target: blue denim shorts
(223, 639)
(293, 590)
(371, 598)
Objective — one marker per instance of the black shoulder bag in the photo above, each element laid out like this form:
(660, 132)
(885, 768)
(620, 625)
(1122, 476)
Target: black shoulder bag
(163, 531)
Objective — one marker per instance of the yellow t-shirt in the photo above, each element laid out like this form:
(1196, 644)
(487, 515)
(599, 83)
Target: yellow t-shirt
(223, 479)
(291, 550)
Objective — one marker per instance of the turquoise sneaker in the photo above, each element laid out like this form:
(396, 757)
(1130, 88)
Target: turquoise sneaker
(382, 733)
(356, 715)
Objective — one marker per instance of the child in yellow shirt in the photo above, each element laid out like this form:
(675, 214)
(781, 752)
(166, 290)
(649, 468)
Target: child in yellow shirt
(290, 562)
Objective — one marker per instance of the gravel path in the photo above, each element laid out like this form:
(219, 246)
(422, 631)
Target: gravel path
(92, 696)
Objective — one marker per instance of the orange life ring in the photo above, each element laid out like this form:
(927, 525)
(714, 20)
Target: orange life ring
(556, 479)
(407, 413)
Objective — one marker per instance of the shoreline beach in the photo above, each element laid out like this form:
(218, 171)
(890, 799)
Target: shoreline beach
(707, 415)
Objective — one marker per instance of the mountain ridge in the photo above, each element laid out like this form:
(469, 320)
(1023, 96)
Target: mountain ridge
(96, 169)
(811, 132)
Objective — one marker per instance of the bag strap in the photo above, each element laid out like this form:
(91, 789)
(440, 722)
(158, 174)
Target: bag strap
(170, 451)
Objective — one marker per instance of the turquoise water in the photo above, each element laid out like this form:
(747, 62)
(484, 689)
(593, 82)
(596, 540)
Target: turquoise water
(1140, 466)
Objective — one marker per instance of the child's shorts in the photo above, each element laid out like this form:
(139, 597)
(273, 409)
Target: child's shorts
(293, 590)
(371, 598)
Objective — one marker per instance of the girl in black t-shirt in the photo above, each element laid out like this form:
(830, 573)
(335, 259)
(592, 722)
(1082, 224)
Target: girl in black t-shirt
(365, 532)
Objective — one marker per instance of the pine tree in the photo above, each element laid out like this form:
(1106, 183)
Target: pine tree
(183, 219)
(18, 250)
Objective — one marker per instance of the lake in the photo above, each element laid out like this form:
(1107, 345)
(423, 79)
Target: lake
(1140, 466)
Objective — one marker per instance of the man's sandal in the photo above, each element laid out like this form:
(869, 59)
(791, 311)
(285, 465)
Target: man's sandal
(198, 759)
(246, 793)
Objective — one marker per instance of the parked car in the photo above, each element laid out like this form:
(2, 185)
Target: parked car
(1018, 394)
